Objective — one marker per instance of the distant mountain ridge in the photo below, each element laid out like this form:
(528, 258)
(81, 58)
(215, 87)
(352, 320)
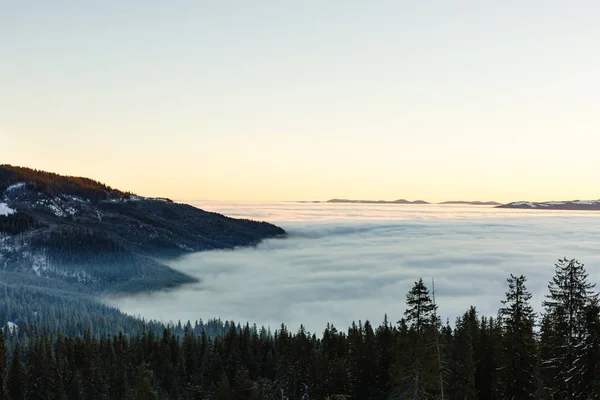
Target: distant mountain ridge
(574, 205)
(87, 234)
(399, 201)
(403, 201)
(473, 203)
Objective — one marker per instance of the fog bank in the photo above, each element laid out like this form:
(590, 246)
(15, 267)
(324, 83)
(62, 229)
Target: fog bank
(342, 267)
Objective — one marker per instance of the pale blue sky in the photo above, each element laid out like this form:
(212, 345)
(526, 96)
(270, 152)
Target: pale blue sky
(286, 100)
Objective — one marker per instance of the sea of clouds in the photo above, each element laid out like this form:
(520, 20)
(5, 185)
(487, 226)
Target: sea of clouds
(344, 263)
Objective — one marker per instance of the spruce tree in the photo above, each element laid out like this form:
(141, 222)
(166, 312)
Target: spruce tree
(487, 356)
(518, 359)
(462, 374)
(223, 391)
(384, 339)
(143, 386)
(422, 357)
(16, 379)
(564, 330)
(2, 365)
(243, 387)
(589, 363)
(464, 367)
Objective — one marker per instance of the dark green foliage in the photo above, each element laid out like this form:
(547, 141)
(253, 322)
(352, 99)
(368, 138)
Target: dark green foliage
(420, 308)
(54, 184)
(97, 239)
(423, 369)
(3, 365)
(488, 349)
(57, 357)
(590, 360)
(143, 384)
(565, 331)
(518, 364)
(16, 379)
(20, 222)
(223, 391)
(462, 367)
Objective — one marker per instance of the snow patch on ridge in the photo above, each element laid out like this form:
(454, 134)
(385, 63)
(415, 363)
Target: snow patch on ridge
(12, 328)
(140, 198)
(587, 202)
(5, 210)
(75, 198)
(15, 186)
(56, 208)
(524, 203)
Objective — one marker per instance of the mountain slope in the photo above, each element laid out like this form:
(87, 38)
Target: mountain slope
(90, 235)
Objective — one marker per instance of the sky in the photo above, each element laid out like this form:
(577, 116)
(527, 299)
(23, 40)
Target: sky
(306, 100)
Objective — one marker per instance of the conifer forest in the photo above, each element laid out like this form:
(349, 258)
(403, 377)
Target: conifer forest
(515, 355)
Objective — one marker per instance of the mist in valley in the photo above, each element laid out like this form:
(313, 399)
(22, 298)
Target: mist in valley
(340, 269)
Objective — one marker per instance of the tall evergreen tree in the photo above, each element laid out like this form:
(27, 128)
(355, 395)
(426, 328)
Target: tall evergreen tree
(223, 391)
(564, 330)
(462, 374)
(16, 379)
(423, 368)
(518, 346)
(243, 387)
(589, 363)
(384, 339)
(487, 356)
(420, 308)
(143, 387)
(3, 365)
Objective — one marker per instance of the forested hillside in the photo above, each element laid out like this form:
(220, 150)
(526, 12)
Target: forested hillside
(516, 355)
(97, 239)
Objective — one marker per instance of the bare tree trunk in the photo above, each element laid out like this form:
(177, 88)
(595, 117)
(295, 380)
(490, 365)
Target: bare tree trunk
(437, 341)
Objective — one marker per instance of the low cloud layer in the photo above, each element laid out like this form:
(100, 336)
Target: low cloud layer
(341, 269)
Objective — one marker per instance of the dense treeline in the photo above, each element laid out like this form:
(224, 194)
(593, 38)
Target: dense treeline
(18, 223)
(54, 184)
(513, 356)
(77, 259)
(49, 310)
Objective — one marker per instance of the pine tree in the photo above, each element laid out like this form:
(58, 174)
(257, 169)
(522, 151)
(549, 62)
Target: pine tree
(437, 341)
(422, 357)
(223, 391)
(2, 365)
(384, 339)
(462, 376)
(589, 363)
(487, 356)
(564, 330)
(16, 379)
(519, 347)
(143, 387)
(242, 388)
(420, 308)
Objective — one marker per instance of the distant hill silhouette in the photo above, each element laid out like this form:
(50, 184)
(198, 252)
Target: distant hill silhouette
(400, 201)
(574, 205)
(473, 203)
